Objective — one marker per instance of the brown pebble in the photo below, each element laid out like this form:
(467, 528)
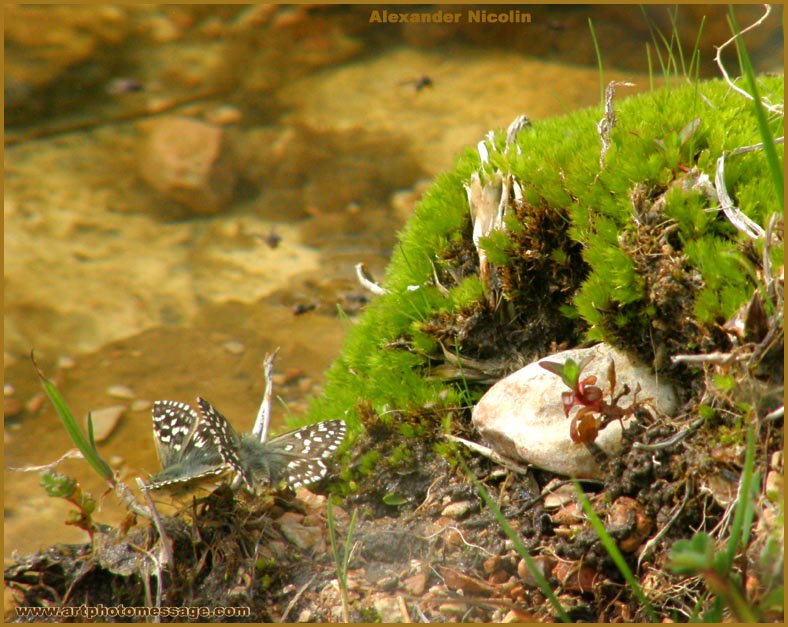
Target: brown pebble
(415, 584)
(574, 577)
(35, 402)
(491, 564)
(290, 518)
(621, 513)
(498, 577)
(568, 514)
(188, 161)
(543, 563)
(518, 616)
(11, 406)
(291, 374)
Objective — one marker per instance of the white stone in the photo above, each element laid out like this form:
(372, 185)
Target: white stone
(522, 416)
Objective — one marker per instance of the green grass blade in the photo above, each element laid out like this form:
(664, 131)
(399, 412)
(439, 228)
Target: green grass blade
(744, 506)
(89, 451)
(543, 584)
(695, 59)
(332, 536)
(674, 37)
(349, 543)
(614, 552)
(770, 151)
(650, 68)
(598, 62)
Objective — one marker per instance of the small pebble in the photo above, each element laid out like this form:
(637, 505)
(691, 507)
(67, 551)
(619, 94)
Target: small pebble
(233, 347)
(120, 391)
(458, 510)
(140, 404)
(65, 362)
(278, 379)
(560, 496)
(223, 115)
(105, 420)
(453, 609)
(35, 403)
(116, 461)
(11, 407)
(416, 584)
(292, 374)
(543, 563)
(8, 389)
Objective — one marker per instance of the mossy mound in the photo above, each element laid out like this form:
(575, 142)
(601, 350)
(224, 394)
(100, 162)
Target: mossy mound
(632, 252)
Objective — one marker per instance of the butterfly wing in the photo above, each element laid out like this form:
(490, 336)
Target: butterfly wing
(226, 440)
(184, 445)
(297, 456)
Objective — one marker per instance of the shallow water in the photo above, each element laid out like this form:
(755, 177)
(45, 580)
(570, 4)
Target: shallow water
(101, 269)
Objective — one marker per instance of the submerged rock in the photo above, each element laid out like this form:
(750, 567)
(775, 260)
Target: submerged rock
(189, 161)
(522, 416)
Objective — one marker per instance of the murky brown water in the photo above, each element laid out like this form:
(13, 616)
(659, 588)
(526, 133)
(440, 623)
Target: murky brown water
(101, 269)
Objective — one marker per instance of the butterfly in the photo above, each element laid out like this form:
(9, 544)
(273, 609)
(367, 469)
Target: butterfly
(295, 457)
(186, 445)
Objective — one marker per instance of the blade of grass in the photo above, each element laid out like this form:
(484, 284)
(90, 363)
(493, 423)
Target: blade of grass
(656, 36)
(544, 586)
(88, 448)
(776, 171)
(341, 562)
(695, 59)
(598, 61)
(744, 506)
(674, 37)
(613, 551)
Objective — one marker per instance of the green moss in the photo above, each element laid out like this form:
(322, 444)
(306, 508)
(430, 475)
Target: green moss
(630, 252)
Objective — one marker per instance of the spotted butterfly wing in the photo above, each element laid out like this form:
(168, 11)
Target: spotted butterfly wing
(185, 446)
(226, 440)
(295, 457)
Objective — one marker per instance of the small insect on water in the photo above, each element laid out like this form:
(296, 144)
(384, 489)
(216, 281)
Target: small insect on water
(186, 446)
(419, 83)
(295, 457)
